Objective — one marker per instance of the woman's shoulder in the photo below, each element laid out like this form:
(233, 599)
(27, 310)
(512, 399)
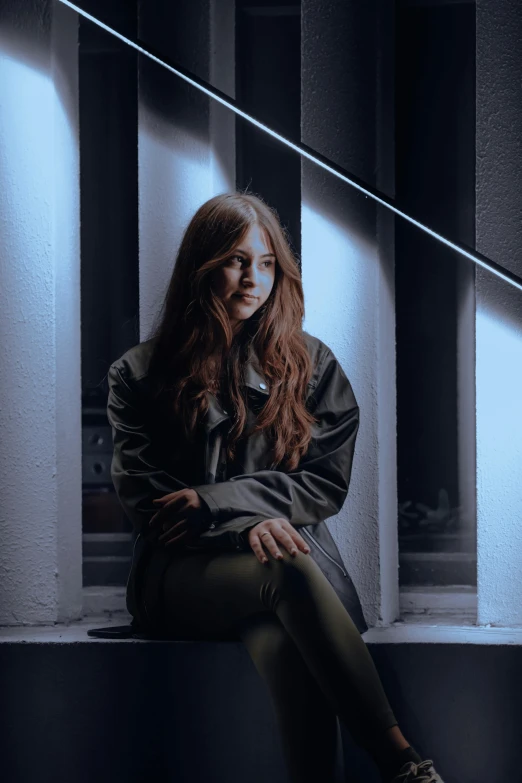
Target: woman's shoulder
(134, 363)
(327, 367)
(317, 348)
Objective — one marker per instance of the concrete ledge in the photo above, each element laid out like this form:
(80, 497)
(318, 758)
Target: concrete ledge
(415, 630)
(447, 630)
(64, 634)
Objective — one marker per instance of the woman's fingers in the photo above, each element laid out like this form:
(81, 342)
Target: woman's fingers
(272, 532)
(165, 498)
(288, 535)
(257, 549)
(294, 535)
(176, 538)
(183, 501)
(159, 516)
(270, 542)
(167, 509)
(299, 540)
(177, 528)
(287, 541)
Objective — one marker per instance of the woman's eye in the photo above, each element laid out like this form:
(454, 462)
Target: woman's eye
(240, 258)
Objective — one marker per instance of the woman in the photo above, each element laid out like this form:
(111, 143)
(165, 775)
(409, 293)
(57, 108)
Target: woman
(234, 433)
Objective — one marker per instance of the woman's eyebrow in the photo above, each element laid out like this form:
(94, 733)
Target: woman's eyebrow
(266, 255)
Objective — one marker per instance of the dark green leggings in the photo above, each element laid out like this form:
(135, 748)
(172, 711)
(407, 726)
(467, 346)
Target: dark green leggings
(300, 637)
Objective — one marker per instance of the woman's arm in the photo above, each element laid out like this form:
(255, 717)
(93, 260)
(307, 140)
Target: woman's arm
(135, 471)
(318, 487)
(315, 491)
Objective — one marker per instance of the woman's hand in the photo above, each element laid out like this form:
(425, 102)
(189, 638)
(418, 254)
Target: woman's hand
(182, 516)
(269, 531)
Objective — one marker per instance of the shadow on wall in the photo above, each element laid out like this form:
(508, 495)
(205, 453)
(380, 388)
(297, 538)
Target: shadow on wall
(25, 32)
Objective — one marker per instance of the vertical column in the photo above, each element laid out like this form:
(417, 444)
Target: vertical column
(40, 410)
(222, 76)
(348, 274)
(499, 313)
(174, 156)
(385, 368)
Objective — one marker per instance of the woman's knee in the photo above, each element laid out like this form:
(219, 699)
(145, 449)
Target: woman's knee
(294, 571)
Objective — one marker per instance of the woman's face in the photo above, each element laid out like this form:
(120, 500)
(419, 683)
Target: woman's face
(249, 269)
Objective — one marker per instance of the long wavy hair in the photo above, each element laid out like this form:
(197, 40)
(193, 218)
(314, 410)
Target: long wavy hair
(195, 350)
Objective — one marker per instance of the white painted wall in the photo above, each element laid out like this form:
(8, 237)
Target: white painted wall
(223, 76)
(186, 142)
(388, 585)
(348, 273)
(40, 397)
(499, 314)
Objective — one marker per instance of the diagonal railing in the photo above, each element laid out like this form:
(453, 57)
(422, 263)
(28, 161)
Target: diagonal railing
(304, 150)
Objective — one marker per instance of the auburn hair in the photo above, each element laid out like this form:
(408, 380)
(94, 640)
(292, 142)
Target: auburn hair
(194, 346)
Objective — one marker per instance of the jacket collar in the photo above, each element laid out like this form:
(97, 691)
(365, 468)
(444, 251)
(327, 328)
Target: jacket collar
(253, 377)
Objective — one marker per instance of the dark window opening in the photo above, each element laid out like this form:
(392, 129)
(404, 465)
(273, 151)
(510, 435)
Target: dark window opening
(435, 181)
(109, 276)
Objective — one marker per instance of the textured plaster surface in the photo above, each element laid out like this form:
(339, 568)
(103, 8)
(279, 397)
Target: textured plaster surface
(344, 275)
(186, 141)
(178, 133)
(499, 313)
(40, 452)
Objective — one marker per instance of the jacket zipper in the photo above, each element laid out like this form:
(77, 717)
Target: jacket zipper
(318, 545)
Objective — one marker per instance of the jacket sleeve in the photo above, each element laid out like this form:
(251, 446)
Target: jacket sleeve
(135, 467)
(317, 488)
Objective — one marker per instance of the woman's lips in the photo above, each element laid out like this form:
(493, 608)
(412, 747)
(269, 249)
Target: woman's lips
(246, 298)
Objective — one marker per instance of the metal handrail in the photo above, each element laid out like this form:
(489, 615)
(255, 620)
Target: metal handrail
(303, 149)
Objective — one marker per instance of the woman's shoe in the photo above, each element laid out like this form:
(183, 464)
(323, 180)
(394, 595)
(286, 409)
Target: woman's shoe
(424, 772)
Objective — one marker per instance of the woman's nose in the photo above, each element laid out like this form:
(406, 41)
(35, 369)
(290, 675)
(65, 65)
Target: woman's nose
(251, 276)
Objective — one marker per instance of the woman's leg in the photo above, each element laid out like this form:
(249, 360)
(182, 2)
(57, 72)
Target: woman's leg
(207, 593)
(306, 720)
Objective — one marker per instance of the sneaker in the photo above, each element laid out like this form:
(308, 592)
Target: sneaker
(424, 772)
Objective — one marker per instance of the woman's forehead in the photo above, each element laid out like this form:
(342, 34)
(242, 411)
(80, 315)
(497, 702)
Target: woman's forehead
(256, 236)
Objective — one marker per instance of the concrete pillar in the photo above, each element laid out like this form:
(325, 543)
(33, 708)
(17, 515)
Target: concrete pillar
(499, 313)
(347, 251)
(186, 141)
(223, 76)
(40, 394)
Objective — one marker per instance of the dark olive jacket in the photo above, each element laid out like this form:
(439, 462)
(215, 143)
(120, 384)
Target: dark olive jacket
(150, 460)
